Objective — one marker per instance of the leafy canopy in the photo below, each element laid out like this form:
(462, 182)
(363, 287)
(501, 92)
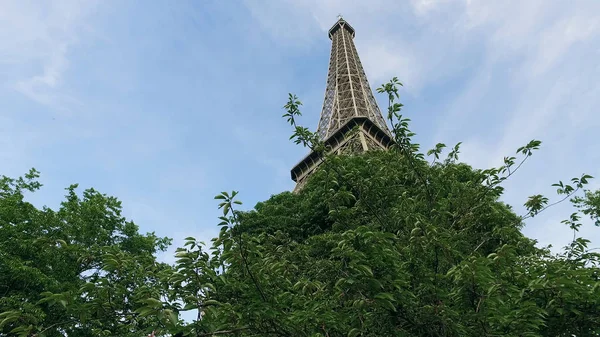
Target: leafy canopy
(394, 243)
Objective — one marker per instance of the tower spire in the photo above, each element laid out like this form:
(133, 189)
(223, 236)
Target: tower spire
(349, 102)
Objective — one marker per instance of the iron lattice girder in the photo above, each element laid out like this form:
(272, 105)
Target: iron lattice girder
(348, 93)
(349, 102)
(365, 126)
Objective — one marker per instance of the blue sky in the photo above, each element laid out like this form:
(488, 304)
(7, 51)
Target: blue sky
(165, 104)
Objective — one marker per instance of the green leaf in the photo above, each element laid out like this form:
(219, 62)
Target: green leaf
(354, 332)
(211, 302)
(226, 209)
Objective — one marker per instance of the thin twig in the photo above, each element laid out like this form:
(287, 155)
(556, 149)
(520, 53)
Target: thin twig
(244, 258)
(54, 325)
(552, 204)
(223, 332)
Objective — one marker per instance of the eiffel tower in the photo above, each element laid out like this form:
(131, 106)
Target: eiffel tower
(349, 102)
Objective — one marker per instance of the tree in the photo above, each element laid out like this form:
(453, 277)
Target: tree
(55, 265)
(378, 244)
(388, 244)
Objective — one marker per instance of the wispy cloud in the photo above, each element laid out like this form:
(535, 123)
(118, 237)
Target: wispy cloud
(36, 38)
(43, 87)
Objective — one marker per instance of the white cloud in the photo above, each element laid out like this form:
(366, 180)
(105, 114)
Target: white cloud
(422, 7)
(555, 42)
(383, 60)
(35, 38)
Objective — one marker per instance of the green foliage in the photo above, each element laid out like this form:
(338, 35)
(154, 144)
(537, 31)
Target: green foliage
(71, 270)
(385, 244)
(378, 244)
(589, 205)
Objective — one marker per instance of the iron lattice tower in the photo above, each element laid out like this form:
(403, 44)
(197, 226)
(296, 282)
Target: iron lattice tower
(349, 103)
